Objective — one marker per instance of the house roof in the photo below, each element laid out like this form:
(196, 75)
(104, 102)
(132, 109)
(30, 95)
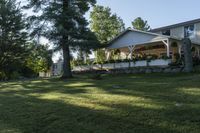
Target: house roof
(176, 25)
(141, 37)
(134, 30)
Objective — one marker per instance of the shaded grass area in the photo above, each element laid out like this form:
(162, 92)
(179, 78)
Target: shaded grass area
(142, 103)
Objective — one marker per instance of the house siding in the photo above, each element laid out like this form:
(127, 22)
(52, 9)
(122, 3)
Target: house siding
(197, 33)
(177, 32)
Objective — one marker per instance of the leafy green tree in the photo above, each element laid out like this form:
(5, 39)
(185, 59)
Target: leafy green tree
(12, 37)
(63, 23)
(39, 58)
(106, 26)
(100, 56)
(140, 24)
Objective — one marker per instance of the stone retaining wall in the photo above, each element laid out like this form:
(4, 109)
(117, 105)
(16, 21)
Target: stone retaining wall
(124, 65)
(137, 70)
(149, 70)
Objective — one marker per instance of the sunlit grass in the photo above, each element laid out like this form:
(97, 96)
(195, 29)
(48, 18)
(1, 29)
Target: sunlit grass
(141, 103)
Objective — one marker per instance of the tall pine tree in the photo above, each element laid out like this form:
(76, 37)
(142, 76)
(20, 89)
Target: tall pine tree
(12, 37)
(63, 23)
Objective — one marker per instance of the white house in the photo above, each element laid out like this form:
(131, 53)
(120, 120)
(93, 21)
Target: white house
(158, 41)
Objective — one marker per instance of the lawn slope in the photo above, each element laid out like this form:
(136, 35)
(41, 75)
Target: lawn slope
(152, 103)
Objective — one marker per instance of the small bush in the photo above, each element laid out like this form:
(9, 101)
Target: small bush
(197, 69)
(165, 57)
(175, 64)
(3, 76)
(196, 61)
(14, 75)
(126, 60)
(28, 73)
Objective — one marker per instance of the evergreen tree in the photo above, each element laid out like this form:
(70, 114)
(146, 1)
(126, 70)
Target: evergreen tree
(12, 37)
(63, 23)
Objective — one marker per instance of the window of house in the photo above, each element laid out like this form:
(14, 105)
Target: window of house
(166, 32)
(189, 31)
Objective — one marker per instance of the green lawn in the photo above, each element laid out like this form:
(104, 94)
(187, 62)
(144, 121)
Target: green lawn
(153, 103)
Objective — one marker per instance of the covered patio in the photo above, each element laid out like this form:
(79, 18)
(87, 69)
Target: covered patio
(139, 49)
(132, 43)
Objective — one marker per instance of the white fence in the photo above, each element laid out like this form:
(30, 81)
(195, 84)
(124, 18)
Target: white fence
(157, 62)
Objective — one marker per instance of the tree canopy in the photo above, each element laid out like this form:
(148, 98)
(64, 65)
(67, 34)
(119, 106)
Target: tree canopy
(104, 24)
(140, 24)
(39, 58)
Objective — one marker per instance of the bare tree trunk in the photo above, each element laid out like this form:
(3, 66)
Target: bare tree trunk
(66, 62)
(65, 45)
(187, 55)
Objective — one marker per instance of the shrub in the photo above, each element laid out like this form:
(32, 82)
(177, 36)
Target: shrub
(196, 61)
(111, 61)
(175, 64)
(177, 56)
(197, 68)
(3, 76)
(126, 60)
(28, 72)
(165, 57)
(14, 75)
(154, 56)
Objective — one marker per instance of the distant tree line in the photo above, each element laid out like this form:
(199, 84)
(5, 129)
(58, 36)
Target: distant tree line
(19, 56)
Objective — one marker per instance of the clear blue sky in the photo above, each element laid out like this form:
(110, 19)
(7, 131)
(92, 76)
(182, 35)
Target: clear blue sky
(158, 13)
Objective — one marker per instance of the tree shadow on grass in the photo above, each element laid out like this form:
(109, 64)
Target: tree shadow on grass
(33, 115)
(181, 108)
(26, 113)
(157, 86)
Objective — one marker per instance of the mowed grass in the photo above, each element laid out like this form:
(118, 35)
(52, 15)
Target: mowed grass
(142, 103)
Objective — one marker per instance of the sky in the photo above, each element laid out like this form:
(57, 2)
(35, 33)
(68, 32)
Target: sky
(158, 13)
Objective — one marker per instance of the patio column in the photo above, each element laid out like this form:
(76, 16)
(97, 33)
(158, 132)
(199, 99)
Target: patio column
(131, 48)
(166, 42)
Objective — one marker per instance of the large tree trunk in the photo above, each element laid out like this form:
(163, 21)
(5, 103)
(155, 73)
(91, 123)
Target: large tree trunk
(66, 62)
(65, 45)
(187, 55)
